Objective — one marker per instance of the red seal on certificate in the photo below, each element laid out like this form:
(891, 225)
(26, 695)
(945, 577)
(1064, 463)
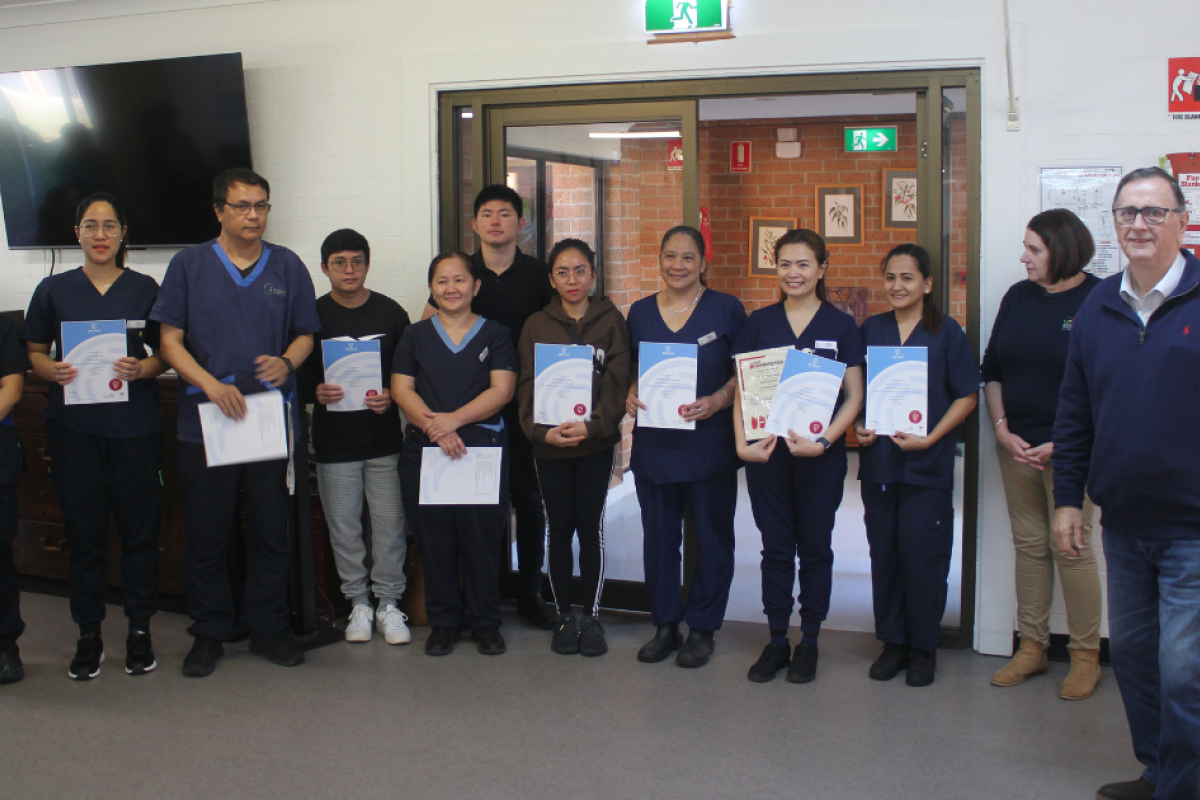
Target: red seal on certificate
(115, 384)
(914, 417)
(580, 409)
(371, 393)
(682, 410)
(816, 427)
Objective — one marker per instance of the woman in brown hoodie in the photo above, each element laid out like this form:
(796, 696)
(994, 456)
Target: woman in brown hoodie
(575, 458)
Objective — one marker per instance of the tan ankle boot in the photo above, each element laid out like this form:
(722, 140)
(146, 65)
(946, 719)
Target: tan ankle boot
(1084, 676)
(1028, 661)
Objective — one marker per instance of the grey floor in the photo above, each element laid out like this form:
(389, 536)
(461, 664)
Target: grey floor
(373, 721)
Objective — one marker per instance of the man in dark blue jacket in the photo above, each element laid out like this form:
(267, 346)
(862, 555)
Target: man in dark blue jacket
(1128, 425)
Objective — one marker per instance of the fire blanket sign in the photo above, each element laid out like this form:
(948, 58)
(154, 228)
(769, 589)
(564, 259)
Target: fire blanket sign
(1183, 84)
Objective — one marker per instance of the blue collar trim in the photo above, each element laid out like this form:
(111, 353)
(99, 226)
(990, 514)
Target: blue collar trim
(233, 271)
(466, 340)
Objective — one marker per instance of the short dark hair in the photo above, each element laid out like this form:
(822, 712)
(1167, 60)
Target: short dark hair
(342, 240)
(118, 211)
(498, 191)
(931, 315)
(580, 246)
(440, 257)
(222, 182)
(1068, 242)
(813, 241)
(1147, 173)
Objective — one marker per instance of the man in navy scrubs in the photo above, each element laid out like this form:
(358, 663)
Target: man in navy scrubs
(1128, 427)
(238, 314)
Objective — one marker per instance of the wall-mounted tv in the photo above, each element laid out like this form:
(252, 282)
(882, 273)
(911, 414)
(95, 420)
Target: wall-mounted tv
(153, 133)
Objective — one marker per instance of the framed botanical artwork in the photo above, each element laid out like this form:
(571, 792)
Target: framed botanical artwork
(840, 214)
(764, 232)
(899, 199)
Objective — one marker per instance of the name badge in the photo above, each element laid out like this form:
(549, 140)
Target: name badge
(827, 346)
(706, 338)
(483, 355)
(135, 323)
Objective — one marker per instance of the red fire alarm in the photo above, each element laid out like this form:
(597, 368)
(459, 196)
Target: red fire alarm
(739, 156)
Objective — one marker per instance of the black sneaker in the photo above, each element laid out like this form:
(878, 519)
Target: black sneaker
(11, 668)
(893, 659)
(922, 664)
(278, 648)
(804, 664)
(565, 640)
(533, 609)
(201, 660)
(591, 637)
(139, 655)
(488, 640)
(666, 640)
(774, 658)
(89, 655)
(441, 641)
(696, 651)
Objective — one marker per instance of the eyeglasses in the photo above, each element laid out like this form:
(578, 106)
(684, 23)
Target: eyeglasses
(578, 272)
(90, 229)
(242, 209)
(1153, 215)
(342, 265)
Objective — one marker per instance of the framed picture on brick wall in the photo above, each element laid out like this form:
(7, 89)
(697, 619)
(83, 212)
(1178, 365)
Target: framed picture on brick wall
(840, 214)
(764, 232)
(899, 199)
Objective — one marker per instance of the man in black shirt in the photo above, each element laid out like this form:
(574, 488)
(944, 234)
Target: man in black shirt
(514, 287)
(13, 363)
(357, 448)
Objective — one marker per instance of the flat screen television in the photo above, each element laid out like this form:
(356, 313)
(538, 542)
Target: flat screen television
(153, 133)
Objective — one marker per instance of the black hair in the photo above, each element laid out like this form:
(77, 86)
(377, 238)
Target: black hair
(342, 240)
(582, 247)
(1068, 242)
(118, 212)
(498, 191)
(694, 235)
(449, 254)
(931, 315)
(813, 241)
(1147, 173)
(249, 177)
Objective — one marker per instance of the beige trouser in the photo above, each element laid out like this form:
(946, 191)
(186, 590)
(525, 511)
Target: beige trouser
(1030, 494)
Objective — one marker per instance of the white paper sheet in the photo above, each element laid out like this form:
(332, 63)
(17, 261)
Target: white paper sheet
(473, 480)
(261, 435)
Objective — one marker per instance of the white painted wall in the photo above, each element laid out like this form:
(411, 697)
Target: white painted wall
(342, 97)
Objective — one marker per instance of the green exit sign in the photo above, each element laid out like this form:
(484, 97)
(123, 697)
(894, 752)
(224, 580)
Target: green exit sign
(686, 16)
(870, 140)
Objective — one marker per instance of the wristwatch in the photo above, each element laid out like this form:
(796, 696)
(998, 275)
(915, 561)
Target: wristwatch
(292, 369)
(825, 442)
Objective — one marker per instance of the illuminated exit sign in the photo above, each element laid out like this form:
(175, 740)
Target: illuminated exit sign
(870, 140)
(686, 16)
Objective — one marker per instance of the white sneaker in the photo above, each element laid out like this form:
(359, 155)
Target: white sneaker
(391, 622)
(358, 627)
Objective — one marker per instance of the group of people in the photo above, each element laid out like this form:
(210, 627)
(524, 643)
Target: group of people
(238, 315)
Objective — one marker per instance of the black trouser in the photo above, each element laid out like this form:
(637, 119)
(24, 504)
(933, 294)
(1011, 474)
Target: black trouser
(526, 499)
(212, 494)
(11, 625)
(575, 491)
(97, 478)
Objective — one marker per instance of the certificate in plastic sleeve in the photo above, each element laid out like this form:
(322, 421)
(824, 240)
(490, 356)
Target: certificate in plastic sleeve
(666, 383)
(806, 396)
(473, 480)
(261, 435)
(897, 390)
(562, 383)
(758, 376)
(91, 348)
(356, 366)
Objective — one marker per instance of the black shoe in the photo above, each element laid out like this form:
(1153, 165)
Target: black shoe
(565, 640)
(774, 658)
(139, 655)
(533, 609)
(666, 640)
(804, 664)
(441, 641)
(1141, 789)
(893, 659)
(89, 655)
(488, 640)
(278, 648)
(11, 668)
(591, 638)
(201, 660)
(696, 651)
(921, 666)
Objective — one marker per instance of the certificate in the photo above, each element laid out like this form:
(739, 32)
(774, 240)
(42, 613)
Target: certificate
(666, 383)
(261, 435)
(473, 480)
(562, 383)
(897, 390)
(808, 391)
(91, 348)
(355, 365)
(758, 376)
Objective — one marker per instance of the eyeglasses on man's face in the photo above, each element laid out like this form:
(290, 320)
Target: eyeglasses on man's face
(90, 229)
(342, 265)
(242, 209)
(1153, 215)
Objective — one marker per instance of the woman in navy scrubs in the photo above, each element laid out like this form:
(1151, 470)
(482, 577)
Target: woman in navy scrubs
(451, 376)
(907, 480)
(696, 469)
(796, 483)
(107, 456)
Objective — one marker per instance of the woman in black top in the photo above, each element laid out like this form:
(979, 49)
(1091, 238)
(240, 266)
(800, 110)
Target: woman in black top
(1022, 369)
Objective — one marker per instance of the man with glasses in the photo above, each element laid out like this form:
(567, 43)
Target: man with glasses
(357, 449)
(238, 315)
(1128, 426)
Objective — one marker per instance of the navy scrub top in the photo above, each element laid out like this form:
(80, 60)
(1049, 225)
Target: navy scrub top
(953, 373)
(680, 456)
(769, 327)
(71, 297)
(230, 320)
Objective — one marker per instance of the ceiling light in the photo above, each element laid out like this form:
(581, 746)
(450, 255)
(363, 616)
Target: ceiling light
(635, 135)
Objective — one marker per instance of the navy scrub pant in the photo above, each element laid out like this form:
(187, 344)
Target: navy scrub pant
(526, 498)
(910, 530)
(461, 547)
(712, 503)
(212, 495)
(97, 478)
(11, 626)
(795, 501)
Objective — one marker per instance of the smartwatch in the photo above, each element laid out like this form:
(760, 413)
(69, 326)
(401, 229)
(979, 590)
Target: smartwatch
(825, 442)
(292, 369)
